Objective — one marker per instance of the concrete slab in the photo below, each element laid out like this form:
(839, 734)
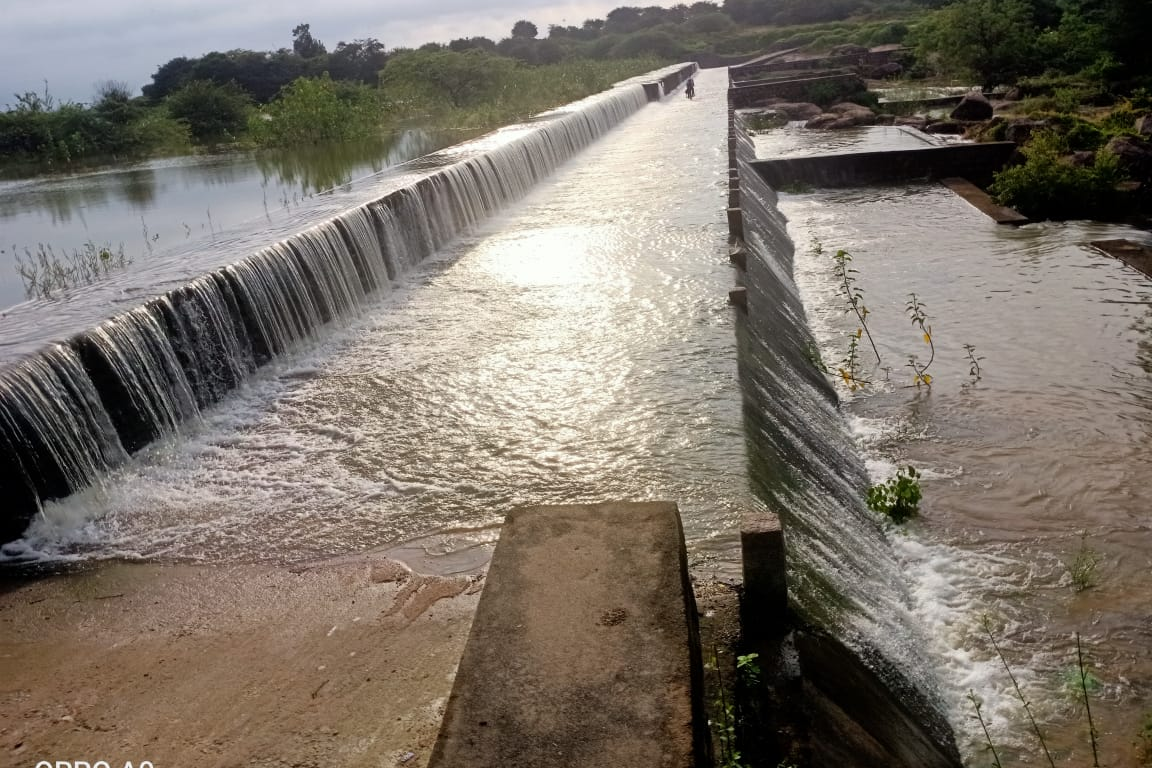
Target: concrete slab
(584, 650)
(1135, 255)
(983, 202)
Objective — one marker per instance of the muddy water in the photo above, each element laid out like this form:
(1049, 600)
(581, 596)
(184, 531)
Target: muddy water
(577, 348)
(1042, 457)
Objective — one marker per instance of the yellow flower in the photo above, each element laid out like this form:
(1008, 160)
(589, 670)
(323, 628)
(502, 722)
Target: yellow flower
(859, 332)
(927, 339)
(926, 378)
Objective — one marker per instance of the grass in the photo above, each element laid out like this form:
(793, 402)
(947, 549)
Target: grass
(1082, 567)
(44, 271)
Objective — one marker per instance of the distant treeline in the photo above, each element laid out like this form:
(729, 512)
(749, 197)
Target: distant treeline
(309, 94)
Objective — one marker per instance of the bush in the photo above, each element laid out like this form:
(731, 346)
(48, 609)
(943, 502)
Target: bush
(649, 43)
(212, 112)
(1046, 186)
(316, 110)
(898, 499)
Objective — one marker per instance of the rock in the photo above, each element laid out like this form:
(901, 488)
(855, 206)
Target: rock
(860, 115)
(1134, 156)
(950, 127)
(1082, 159)
(885, 119)
(1021, 129)
(822, 121)
(884, 71)
(798, 110)
(972, 107)
(844, 122)
(1013, 94)
(1144, 125)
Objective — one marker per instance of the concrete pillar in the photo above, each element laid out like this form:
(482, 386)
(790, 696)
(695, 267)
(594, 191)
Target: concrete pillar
(738, 297)
(736, 223)
(765, 606)
(739, 259)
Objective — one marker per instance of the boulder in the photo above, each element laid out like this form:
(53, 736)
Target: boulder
(885, 71)
(798, 110)
(972, 107)
(1144, 125)
(885, 119)
(1021, 129)
(822, 121)
(1013, 94)
(860, 115)
(1082, 159)
(1134, 156)
(950, 127)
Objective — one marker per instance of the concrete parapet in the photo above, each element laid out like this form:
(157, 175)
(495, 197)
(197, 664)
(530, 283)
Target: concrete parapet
(585, 648)
(802, 88)
(976, 162)
(983, 202)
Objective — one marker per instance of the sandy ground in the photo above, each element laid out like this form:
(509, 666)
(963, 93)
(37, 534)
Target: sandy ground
(347, 663)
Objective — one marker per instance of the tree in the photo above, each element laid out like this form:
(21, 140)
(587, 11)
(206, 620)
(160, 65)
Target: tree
(991, 39)
(439, 77)
(212, 111)
(168, 78)
(525, 29)
(359, 60)
(306, 46)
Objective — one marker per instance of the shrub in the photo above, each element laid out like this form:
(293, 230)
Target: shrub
(898, 499)
(315, 110)
(211, 111)
(1047, 186)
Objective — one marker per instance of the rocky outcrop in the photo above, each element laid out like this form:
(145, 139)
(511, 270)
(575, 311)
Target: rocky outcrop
(1144, 125)
(885, 71)
(1021, 129)
(797, 110)
(972, 107)
(1134, 156)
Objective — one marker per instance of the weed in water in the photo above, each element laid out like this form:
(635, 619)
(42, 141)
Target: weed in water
(44, 271)
(748, 668)
(987, 622)
(1084, 675)
(974, 370)
(1082, 569)
(898, 499)
(915, 309)
(853, 294)
(976, 703)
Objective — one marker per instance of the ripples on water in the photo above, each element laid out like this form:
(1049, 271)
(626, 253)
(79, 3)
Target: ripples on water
(1051, 442)
(578, 348)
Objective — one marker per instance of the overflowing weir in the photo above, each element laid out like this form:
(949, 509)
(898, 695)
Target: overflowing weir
(861, 650)
(82, 389)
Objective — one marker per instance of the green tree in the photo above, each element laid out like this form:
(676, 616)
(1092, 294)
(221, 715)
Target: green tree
(317, 110)
(444, 76)
(212, 112)
(359, 60)
(306, 46)
(524, 28)
(994, 40)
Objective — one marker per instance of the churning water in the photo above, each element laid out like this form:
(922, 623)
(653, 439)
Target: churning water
(576, 347)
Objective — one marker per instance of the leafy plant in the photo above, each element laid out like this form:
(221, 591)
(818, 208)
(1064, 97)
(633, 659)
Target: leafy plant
(898, 498)
(748, 668)
(1082, 568)
(915, 309)
(974, 370)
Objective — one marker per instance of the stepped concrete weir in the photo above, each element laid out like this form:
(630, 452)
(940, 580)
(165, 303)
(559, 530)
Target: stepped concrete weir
(585, 650)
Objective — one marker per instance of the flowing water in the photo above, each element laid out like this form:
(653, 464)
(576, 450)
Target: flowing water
(576, 347)
(1039, 458)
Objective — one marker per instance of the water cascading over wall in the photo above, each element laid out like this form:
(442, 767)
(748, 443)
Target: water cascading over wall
(872, 696)
(79, 402)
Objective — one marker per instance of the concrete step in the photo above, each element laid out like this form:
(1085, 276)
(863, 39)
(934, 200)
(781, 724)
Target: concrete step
(585, 647)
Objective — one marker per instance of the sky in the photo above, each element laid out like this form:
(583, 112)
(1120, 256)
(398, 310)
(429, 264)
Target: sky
(75, 44)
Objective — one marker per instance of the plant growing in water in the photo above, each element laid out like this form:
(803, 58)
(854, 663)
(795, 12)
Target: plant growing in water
(1082, 569)
(974, 370)
(852, 293)
(915, 309)
(898, 499)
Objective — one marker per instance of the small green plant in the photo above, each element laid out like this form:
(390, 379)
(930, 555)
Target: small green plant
(898, 499)
(748, 668)
(915, 309)
(1082, 568)
(974, 370)
(44, 271)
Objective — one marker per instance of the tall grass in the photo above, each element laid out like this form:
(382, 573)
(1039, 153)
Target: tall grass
(45, 272)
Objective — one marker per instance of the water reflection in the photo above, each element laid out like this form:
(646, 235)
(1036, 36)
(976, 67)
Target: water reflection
(160, 203)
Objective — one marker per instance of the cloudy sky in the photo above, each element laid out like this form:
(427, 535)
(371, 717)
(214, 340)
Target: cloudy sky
(74, 44)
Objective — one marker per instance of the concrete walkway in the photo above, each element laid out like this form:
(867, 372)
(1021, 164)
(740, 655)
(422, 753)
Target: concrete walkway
(584, 650)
